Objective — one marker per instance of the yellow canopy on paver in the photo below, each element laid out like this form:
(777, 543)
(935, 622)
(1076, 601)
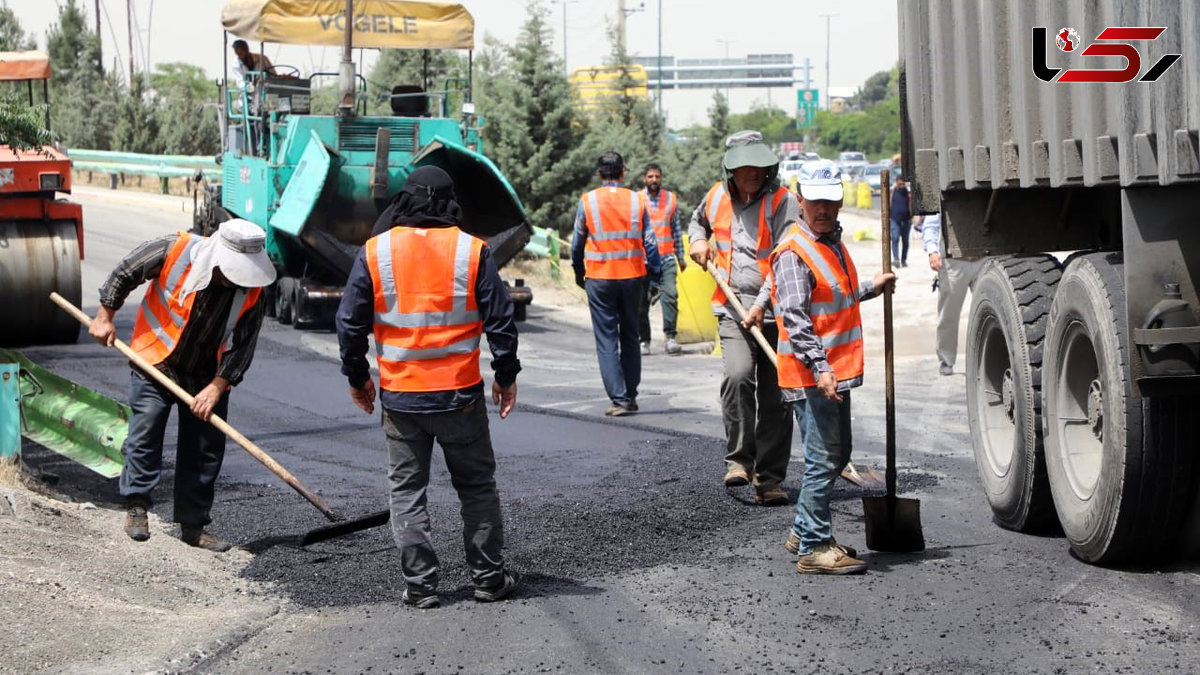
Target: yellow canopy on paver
(379, 24)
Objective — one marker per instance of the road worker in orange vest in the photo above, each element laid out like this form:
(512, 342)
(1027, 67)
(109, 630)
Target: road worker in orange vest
(663, 207)
(428, 291)
(746, 214)
(613, 252)
(816, 295)
(198, 323)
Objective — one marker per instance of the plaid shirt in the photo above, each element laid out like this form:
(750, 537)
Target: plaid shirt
(794, 282)
(193, 362)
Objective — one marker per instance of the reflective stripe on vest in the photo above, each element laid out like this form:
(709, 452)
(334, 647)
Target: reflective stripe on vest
(427, 323)
(660, 219)
(614, 249)
(720, 219)
(163, 314)
(833, 309)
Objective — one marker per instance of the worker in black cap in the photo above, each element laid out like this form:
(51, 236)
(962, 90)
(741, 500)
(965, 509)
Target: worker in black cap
(427, 291)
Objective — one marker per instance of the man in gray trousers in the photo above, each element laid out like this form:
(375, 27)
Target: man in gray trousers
(428, 291)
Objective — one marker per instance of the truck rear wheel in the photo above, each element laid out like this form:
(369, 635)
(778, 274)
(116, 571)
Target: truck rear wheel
(1009, 306)
(1121, 467)
(35, 259)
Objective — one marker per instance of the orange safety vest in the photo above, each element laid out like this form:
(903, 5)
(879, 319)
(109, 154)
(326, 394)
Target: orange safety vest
(164, 311)
(833, 309)
(720, 219)
(660, 218)
(614, 248)
(427, 321)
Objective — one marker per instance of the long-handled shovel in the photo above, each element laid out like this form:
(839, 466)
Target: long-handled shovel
(893, 523)
(343, 526)
(867, 478)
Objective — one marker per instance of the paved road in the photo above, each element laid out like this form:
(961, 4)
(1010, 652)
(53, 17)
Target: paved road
(637, 559)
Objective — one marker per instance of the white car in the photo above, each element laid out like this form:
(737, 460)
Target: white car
(789, 169)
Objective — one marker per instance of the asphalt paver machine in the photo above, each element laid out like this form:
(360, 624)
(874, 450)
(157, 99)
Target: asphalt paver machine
(317, 183)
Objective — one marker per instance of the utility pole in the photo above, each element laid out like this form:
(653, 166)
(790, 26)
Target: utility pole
(660, 89)
(99, 42)
(129, 28)
(564, 4)
(828, 98)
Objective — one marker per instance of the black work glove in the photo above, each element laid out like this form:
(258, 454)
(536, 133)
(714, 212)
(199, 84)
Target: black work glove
(580, 281)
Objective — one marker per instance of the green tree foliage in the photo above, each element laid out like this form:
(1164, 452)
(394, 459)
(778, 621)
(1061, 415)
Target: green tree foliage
(21, 125)
(532, 132)
(408, 66)
(184, 110)
(74, 50)
(875, 131)
(83, 99)
(137, 128)
(718, 120)
(13, 37)
(775, 125)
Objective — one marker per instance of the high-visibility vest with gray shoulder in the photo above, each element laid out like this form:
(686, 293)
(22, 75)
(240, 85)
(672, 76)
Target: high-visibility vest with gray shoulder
(719, 211)
(427, 323)
(165, 310)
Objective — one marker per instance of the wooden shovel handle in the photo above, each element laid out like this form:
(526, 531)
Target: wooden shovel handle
(742, 313)
(235, 435)
(885, 210)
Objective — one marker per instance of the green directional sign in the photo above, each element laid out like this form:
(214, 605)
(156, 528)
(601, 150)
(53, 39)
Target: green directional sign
(807, 103)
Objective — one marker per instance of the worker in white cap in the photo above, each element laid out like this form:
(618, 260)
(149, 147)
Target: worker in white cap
(198, 323)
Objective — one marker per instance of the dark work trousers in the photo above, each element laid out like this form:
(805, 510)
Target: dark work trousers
(199, 451)
(758, 424)
(467, 447)
(614, 304)
(668, 299)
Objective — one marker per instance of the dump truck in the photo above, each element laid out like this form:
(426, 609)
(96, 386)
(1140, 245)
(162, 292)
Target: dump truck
(317, 183)
(41, 233)
(1059, 142)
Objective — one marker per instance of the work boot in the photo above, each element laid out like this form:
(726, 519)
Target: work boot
(793, 545)
(829, 558)
(616, 410)
(645, 349)
(137, 522)
(672, 346)
(509, 585)
(632, 406)
(737, 476)
(945, 369)
(419, 599)
(772, 496)
(194, 535)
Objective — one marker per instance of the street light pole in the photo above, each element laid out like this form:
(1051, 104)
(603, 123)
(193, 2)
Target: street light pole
(564, 4)
(726, 43)
(660, 89)
(828, 98)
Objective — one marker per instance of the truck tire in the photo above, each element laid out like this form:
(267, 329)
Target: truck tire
(36, 258)
(1009, 306)
(1121, 467)
(285, 297)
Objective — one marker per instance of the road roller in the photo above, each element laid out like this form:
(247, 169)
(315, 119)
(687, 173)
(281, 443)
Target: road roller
(41, 234)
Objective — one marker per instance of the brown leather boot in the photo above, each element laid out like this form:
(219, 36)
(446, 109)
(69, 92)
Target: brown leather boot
(137, 522)
(194, 535)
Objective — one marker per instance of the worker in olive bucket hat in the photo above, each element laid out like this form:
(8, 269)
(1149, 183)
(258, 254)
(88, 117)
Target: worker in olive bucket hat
(746, 214)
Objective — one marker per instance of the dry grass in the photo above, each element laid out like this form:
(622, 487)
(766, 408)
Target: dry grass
(11, 475)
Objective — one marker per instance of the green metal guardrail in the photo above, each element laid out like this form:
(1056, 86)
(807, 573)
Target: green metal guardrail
(72, 420)
(136, 164)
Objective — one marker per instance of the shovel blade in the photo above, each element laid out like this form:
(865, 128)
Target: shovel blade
(893, 524)
(345, 527)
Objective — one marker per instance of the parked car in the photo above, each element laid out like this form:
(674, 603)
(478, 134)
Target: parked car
(789, 169)
(852, 162)
(810, 156)
(871, 174)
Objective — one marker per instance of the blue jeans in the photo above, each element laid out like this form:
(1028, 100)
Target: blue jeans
(824, 426)
(199, 451)
(900, 232)
(669, 300)
(614, 304)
